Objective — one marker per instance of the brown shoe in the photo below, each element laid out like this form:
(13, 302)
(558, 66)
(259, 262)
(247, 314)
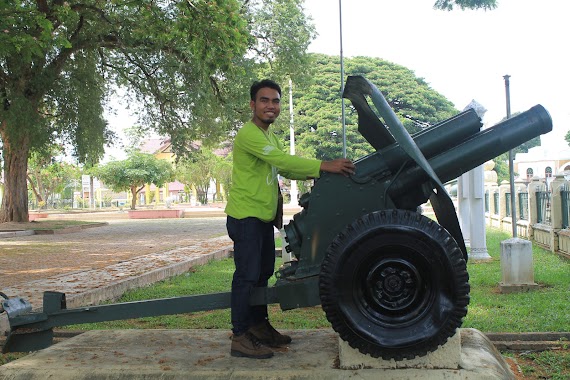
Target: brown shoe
(268, 335)
(248, 346)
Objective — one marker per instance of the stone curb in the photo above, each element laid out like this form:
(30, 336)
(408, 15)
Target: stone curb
(535, 341)
(66, 230)
(114, 291)
(9, 234)
(70, 229)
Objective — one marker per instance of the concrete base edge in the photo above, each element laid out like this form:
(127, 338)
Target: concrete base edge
(516, 288)
(204, 354)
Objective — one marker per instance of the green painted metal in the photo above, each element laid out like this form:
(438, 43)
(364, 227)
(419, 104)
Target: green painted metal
(26, 340)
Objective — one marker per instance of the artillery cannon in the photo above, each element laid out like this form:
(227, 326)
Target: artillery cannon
(392, 282)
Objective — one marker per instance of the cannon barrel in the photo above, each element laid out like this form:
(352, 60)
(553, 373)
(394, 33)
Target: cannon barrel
(478, 149)
(457, 128)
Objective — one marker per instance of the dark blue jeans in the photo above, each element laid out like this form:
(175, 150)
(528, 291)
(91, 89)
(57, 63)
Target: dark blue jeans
(254, 258)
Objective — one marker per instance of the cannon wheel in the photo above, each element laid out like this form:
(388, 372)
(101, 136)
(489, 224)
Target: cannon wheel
(394, 284)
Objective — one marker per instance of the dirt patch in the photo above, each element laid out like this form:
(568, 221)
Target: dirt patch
(515, 369)
(539, 365)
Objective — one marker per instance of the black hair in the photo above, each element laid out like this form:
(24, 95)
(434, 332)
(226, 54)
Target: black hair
(256, 86)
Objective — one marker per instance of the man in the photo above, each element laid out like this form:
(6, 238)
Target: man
(252, 206)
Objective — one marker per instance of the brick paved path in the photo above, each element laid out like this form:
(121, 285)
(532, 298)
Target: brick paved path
(96, 263)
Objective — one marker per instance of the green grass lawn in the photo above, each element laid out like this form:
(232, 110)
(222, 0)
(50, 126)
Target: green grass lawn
(545, 309)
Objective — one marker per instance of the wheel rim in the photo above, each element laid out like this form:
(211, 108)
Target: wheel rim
(390, 286)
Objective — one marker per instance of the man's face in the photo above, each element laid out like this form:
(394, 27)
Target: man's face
(266, 107)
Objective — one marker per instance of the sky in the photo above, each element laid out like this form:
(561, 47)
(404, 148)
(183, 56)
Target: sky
(463, 55)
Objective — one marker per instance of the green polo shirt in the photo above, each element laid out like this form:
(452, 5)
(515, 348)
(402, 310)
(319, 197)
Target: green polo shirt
(257, 159)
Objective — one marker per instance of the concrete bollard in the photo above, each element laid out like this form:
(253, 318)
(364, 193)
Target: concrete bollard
(516, 266)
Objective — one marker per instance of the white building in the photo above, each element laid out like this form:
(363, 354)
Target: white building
(542, 162)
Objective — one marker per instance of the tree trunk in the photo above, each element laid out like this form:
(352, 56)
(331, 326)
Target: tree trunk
(37, 193)
(134, 194)
(15, 198)
(91, 193)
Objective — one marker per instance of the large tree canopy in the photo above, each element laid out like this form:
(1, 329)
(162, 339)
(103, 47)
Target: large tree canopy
(318, 124)
(186, 63)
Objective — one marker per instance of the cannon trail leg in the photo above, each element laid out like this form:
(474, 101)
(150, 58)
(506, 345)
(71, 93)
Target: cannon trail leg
(394, 285)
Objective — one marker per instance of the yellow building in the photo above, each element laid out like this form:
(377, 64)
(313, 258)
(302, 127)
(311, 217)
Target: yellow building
(173, 191)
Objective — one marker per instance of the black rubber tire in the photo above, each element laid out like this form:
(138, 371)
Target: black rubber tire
(394, 284)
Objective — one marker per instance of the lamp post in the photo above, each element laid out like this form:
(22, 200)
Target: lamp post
(511, 165)
(516, 254)
(293, 192)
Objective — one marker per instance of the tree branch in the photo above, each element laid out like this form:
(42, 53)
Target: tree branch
(42, 6)
(83, 7)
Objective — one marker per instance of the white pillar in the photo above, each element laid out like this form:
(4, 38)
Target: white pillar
(516, 266)
(478, 247)
(471, 198)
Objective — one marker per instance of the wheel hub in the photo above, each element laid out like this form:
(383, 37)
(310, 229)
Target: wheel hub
(392, 284)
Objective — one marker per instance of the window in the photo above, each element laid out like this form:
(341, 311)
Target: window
(529, 173)
(548, 172)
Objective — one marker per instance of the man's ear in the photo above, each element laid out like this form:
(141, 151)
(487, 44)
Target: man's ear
(252, 104)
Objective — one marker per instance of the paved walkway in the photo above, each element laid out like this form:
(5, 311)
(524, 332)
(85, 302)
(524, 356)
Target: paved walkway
(100, 263)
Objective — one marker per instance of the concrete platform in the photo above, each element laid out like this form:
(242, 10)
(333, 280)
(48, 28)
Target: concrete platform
(204, 354)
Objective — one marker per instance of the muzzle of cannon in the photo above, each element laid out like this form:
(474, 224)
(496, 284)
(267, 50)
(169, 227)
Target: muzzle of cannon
(392, 282)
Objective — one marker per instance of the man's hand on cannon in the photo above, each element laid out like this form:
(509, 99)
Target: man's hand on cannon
(340, 166)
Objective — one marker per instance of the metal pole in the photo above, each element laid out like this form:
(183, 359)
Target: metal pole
(511, 165)
(293, 191)
(342, 82)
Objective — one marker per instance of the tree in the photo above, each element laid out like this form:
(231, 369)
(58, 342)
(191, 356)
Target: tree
(465, 4)
(48, 176)
(197, 169)
(183, 61)
(134, 173)
(188, 65)
(567, 137)
(318, 121)
(222, 173)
